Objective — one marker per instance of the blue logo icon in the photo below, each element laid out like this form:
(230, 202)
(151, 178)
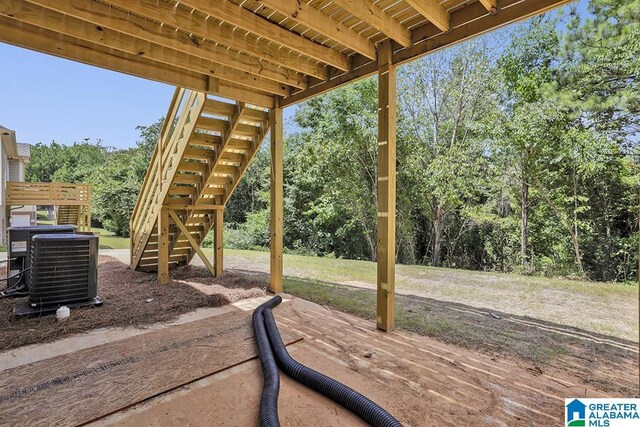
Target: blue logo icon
(576, 416)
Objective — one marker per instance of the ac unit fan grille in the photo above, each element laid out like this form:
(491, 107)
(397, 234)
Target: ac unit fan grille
(60, 271)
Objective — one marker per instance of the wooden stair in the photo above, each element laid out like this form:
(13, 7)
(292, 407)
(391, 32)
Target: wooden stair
(67, 215)
(204, 148)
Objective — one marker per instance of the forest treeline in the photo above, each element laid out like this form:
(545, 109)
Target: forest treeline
(516, 151)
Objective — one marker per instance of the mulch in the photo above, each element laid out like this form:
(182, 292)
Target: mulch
(125, 293)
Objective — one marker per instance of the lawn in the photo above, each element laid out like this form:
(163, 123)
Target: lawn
(107, 239)
(607, 308)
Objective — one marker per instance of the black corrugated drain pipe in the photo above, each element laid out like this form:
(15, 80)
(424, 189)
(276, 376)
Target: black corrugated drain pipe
(271, 386)
(363, 407)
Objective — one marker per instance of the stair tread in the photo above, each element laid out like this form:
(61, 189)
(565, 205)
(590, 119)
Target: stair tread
(197, 176)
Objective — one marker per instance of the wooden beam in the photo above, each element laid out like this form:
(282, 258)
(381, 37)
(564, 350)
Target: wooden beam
(367, 11)
(249, 21)
(433, 11)
(163, 248)
(192, 242)
(106, 17)
(65, 24)
(42, 40)
(471, 21)
(316, 20)
(218, 242)
(197, 28)
(201, 207)
(465, 23)
(277, 135)
(386, 253)
(490, 5)
(238, 93)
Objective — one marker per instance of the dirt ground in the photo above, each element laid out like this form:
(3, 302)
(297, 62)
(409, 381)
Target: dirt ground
(421, 381)
(125, 294)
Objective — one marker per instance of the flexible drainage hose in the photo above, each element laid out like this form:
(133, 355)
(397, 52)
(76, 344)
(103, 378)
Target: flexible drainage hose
(271, 386)
(352, 400)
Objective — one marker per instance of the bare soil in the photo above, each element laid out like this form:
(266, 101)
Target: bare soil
(421, 381)
(125, 293)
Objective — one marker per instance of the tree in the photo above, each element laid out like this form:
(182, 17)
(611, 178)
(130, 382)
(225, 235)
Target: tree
(526, 67)
(444, 98)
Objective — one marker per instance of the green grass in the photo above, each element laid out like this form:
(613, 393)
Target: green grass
(581, 304)
(438, 320)
(107, 239)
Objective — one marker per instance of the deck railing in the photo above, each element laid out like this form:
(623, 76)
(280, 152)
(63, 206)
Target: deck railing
(53, 194)
(184, 110)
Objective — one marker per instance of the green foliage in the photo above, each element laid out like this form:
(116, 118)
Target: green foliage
(516, 151)
(518, 157)
(60, 163)
(115, 188)
(115, 175)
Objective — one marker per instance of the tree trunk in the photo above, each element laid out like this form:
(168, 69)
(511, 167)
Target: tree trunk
(524, 216)
(438, 227)
(574, 234)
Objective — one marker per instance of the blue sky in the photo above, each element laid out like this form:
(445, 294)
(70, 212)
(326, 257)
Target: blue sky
(47, 98)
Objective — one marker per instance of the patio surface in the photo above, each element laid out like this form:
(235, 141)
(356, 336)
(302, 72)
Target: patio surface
(420, 381)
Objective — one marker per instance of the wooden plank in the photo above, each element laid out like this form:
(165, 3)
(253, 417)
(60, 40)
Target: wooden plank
(433, 11)
(324, 24)
(218, 242)
(239, 93)
(55, 21)
(239, 144)
(182, 190)
(150, 174)
(386, 251)
(27, 36)
(163, 253)
(250, 154)
(367, 11)
(249, 21)
(83, 386)
(112, 19)
(199, 153)
(192, 166)
(199, 207)
(277, 188)
(232, 157)
(205, 140)
(465, 23)
(219, 108)
(192, 242)
(490, 5)
(184, 178)
(212, 125)
(195, 25)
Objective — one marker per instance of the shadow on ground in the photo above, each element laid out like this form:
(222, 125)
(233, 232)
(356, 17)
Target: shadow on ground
(605, 363)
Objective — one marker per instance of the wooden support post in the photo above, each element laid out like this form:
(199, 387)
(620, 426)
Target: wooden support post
(277, 134)
(386, 187)
(163, 247)
(88, 208)
(218, 241)
(190, 239)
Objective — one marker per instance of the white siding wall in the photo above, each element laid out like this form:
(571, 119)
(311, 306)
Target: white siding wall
(4, 172)
(14, 170)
